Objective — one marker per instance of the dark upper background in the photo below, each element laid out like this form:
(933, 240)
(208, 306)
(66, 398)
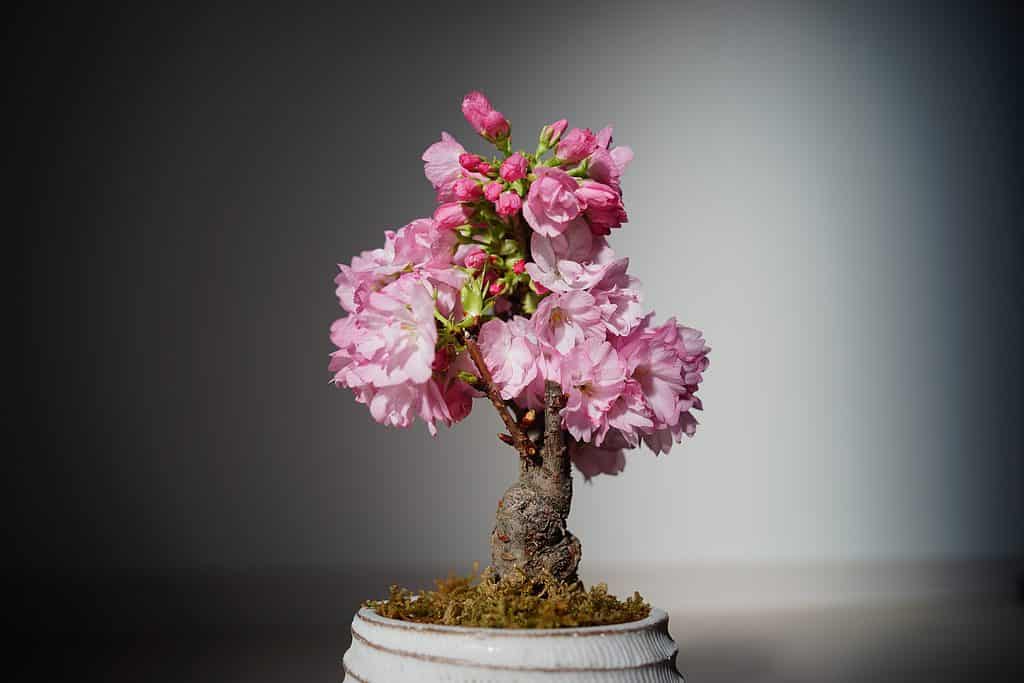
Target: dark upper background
(829, 190)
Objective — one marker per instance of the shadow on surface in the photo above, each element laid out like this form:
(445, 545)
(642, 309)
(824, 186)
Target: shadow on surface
(260, 628)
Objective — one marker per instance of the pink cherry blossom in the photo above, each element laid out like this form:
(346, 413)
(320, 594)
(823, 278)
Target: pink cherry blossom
(602, 206)
(441, 161)
(399, 333)
(621, 157)
(551, 204)
(424, 244)
(693, 351)
(476, 106)
(510, 350)
(451, 215)
(666, 362)
(592, 378)
(369, 271)
(421, 244)
(399, 349)
(607, 165)
(575, 259)
(386, 353)
(619, 299)
(576, 146)
(398, 405)
(628, 418)
(483, 118)
(654, 364)
(565, 320)
(345, 334)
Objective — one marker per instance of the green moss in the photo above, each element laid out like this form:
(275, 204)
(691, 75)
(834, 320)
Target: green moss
(514, 601)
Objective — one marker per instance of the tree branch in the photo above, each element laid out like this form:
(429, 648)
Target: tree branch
(520, 440)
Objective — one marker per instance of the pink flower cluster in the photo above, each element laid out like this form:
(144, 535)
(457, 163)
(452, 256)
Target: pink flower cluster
(516, 257)
(387, 346)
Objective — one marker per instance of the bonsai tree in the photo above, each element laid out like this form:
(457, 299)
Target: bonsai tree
(510, 292)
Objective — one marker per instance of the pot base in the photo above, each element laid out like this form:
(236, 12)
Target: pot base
(385, 650)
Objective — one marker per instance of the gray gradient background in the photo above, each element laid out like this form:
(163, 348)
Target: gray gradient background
(827, 190)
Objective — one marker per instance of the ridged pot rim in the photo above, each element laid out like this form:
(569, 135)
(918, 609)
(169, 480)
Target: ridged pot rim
(655, 618)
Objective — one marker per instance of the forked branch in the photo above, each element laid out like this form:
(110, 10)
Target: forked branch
(520, 439)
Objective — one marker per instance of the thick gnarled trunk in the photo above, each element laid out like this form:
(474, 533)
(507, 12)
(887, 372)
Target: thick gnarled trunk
(530, 531)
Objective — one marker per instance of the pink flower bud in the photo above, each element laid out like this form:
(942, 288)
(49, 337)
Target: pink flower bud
(475, 107)
(509, 203)
(576, 146)
(492, 191)
(467, 190)
(496, 126)
(485, 120)
(552, 133)
(496, 288)
(602, 206)
(451, 215)
(519, 267)
(476, 259)
(470, 162)
(513, 168)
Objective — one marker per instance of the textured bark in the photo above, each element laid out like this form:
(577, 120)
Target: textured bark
(530, 531)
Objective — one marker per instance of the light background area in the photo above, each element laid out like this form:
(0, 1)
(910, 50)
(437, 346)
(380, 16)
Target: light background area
(825, 191)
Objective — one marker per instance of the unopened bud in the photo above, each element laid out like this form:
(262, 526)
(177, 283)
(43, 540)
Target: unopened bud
(509, 204)
(496, 126)
(469, 161)
(485, 120)
(467, 190)
(492, 191)
(451, 215)
(551, 133)
(476, 258)
(514, 168)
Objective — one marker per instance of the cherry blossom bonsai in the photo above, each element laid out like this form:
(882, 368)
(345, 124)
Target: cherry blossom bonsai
(510, 292)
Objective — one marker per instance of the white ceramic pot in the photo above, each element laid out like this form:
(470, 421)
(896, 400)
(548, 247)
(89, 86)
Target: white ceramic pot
(385, 650)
